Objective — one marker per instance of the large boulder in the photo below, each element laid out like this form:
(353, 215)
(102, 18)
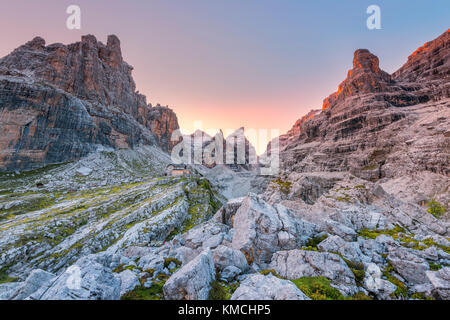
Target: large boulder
(294, 264)
(87, 279)
(261, 230)
(129, 281)
(408, 265)
(209, 234)
(373, 283)
(224, 257)
(269, 287)
(373, 249)
(349, 250)
(226, 214)
(192, 281)
(440, 281)
(8, 289)
(38, 280)
(151, 261)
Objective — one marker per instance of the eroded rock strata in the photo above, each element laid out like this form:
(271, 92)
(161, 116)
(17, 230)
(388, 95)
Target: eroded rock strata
(359, 210)
(61, 102)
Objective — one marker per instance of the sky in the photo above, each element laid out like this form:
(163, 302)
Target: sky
(258, 64)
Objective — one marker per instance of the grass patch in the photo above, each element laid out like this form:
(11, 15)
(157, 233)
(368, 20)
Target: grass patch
(318, 288)
(372, 234)
(5, 278)
(168, 261)
(358, 271)
(266, 272)
(312, 243)
(222, 291)
(435, 208)
(402, 290)
(434, 266)
(420, 296)
(405, 238)
(284, 186)
(155, 292)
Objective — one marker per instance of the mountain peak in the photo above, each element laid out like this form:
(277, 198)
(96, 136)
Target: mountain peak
(365, 77)
(363, 59)
(84, 88)
(430, 61)
(37, 43)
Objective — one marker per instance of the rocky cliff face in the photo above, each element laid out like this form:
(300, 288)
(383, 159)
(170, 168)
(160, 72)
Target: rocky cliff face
(315, 233)
(429, 65)
(379, 125)
(61, 102)
(235, 151)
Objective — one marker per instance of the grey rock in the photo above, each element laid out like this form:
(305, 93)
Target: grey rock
(408, 265)
(38, 279)
(148, 283)
(372, 249)
(171, 266)
(226, 213)
(214, 241)
(269, 287)
(151, 261)
(296, 264)
(205, 235)
(373, 282)
(192, 281)
(349, 250)
(224, 257)
(346, 233)
(129, 281)
(186, 254)
(8, 289)
(385, 240)
(87, 279)
(83, 171)
(261, 229)
(229, 273)
(440, 281)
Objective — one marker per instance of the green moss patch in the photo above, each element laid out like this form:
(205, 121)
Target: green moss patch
(435, 208)
(269, 271)
(284, 186)
(155, 292)
(318, 288)
(5, 278)
(402, 290)
(168, 261)
(221, 290)
(434, 266)
(312, 243)
(358, 271)
(372, 234)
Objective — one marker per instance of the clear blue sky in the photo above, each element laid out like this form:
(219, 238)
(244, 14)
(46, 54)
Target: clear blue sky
(232, 63)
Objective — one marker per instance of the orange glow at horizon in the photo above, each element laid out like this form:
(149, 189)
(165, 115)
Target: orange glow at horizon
(230, 119)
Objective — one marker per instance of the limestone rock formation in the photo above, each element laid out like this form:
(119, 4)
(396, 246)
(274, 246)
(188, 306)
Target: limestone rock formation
(360, 209)
(294, 264)
(61, 102)
(193, 281)
(379, 125)
(261, 230)
(259, 287)
(234, 151)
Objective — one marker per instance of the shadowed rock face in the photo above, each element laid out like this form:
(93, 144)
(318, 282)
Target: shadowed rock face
(235, 151)
(431, 62)
(60, 102)
(379, 125)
